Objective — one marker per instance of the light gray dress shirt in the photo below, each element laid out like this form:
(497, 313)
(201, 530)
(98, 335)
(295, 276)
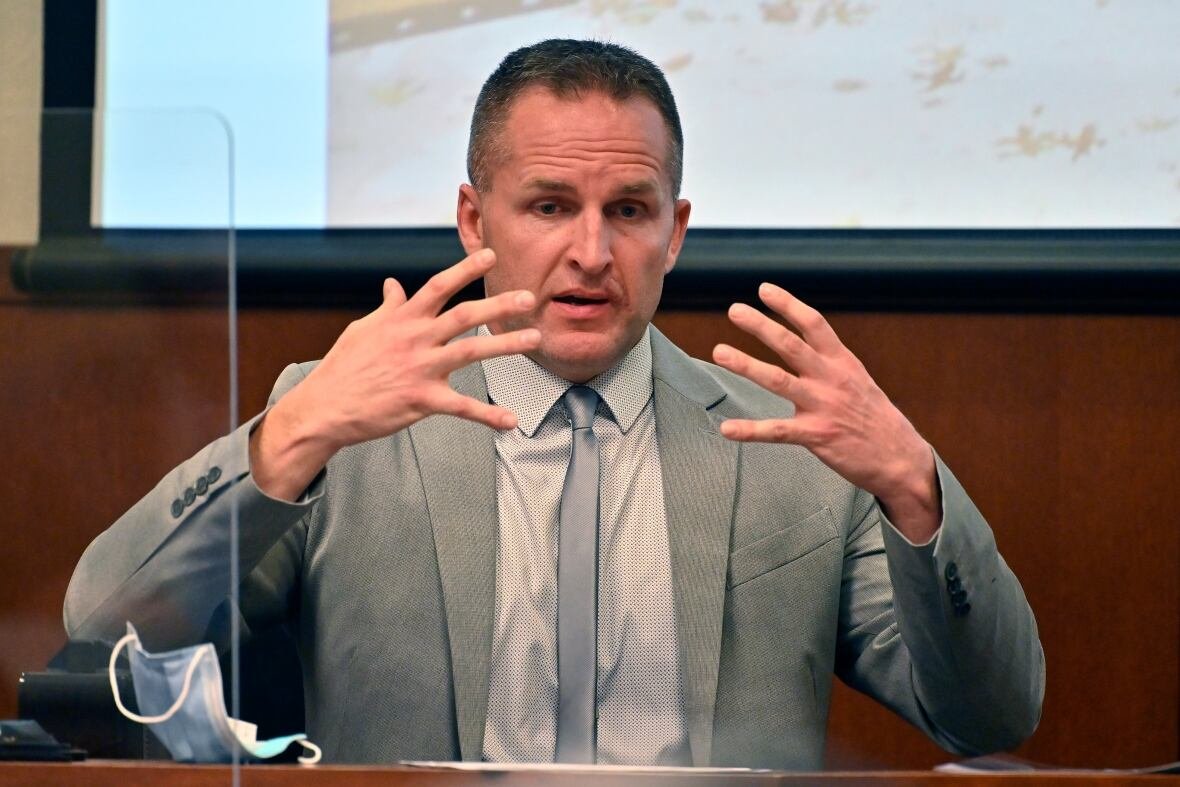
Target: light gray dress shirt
(640, 692)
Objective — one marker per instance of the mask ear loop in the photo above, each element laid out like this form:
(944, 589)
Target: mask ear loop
(314, 757)
(168, 714)
(310, 759)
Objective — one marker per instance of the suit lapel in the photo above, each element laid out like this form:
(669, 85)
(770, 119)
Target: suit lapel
(699, 469)
(456, 458)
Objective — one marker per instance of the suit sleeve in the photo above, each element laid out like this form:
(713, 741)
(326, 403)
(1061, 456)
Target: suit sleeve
(941, 633)
(165, 564)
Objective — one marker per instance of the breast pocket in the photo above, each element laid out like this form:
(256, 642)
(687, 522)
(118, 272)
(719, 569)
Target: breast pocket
(780, 548)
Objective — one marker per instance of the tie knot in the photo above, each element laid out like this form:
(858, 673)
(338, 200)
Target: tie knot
(581, 402)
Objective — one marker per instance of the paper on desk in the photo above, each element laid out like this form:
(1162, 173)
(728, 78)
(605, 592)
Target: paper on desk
(997, 763)
(557, 767)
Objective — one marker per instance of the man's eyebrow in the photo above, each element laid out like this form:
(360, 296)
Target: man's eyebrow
(640, 187)
(546, 184)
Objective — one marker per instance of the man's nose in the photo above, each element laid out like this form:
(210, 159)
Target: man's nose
(591, 248)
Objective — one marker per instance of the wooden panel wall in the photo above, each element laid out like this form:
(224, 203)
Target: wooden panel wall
(1064, 428)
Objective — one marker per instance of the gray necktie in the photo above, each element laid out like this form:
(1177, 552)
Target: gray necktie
(577, 586)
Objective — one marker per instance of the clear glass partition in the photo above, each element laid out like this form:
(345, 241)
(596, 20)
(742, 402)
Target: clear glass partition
(117, 382)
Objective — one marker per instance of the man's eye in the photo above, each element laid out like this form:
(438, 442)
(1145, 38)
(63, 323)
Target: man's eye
(629, 211)
(547, 208)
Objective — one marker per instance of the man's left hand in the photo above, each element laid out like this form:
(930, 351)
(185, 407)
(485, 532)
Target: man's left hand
(841, 415)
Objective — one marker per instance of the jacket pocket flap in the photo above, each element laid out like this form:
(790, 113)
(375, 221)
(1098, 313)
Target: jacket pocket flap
(780, 548)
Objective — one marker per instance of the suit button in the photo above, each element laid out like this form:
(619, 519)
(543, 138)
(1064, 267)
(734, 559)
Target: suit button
(177, 509)
(189, 496)
(962, 609)
(958, 597)
(952, 570)
(214, 474)
(202, 485)
(953, 584)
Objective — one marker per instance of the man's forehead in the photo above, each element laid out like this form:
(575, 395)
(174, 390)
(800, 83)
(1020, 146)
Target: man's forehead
(543, 117)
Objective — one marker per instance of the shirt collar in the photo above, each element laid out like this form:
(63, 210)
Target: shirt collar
(530, 390)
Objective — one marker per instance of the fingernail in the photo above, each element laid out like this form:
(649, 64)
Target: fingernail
(524, 299)
(722, 353)
(531, 336)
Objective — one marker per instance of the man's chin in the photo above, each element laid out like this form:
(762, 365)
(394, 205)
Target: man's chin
(580, 356)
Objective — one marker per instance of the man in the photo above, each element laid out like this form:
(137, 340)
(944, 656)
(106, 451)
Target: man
(758, 526)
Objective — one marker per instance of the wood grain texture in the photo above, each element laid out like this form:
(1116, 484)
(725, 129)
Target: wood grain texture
(1064, 429)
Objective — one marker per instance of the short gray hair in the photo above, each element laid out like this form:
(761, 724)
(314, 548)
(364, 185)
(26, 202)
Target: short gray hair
(569, 68)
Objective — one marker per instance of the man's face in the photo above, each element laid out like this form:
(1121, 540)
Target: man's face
(580, 212)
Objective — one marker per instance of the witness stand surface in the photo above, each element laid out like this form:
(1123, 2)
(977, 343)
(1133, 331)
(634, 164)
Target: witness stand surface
(111, 773)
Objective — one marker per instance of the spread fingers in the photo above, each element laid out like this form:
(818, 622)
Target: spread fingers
(787, 345)
(468, 314)
(446, 284)
(770, 430)
(773, 378)
(812, 325)
(456, 404)
(476, 348)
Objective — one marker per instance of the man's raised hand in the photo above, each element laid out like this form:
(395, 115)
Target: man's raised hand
(386, 371)
(841, 415)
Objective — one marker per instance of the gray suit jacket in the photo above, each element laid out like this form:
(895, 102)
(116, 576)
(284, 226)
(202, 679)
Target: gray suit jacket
(783, 574)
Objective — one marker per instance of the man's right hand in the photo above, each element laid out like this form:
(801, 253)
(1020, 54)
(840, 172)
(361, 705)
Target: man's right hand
(388, 370)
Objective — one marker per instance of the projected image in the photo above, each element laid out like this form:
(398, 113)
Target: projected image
(798, 113)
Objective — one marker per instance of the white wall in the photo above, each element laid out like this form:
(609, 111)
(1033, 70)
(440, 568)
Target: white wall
(20, 120)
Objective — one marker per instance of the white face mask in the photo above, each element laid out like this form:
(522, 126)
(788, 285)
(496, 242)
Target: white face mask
(181, 696)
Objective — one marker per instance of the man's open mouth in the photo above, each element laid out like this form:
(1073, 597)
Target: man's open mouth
(578, 301)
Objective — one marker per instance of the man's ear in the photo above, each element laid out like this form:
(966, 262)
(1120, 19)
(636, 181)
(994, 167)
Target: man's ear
(469, 218)
(679, 225)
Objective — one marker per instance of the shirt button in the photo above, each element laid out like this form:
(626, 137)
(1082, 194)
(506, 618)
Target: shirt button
(214, 474)
(177, 509)
(189, 496)
(202, 485)
(952, 570)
